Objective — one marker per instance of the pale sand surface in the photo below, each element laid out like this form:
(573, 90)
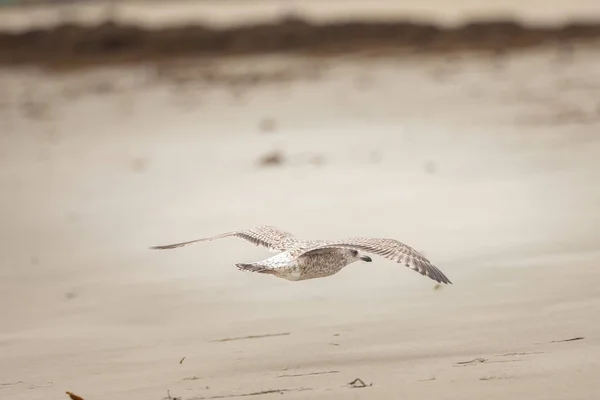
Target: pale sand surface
(233, 12)
(490, 168)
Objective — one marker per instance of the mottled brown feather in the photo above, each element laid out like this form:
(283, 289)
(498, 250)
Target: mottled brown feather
(267, 236)
(388, 248)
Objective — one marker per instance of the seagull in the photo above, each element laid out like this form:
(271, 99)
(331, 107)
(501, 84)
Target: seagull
(298, 259)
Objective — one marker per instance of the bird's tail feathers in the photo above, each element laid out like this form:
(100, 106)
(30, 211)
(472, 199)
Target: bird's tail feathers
(253, 267)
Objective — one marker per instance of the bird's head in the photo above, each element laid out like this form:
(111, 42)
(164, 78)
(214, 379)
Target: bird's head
(359, 256)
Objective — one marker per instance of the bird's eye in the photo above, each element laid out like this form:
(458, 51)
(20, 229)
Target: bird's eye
(354, 252)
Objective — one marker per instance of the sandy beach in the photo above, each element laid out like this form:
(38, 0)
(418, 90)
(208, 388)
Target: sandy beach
(489, 165)
(219, 13)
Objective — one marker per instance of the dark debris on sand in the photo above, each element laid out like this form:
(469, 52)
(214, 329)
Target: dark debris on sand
(71, 46)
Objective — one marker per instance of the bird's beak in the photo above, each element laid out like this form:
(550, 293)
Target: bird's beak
(366, 258)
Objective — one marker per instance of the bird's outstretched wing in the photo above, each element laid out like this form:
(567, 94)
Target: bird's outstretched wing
(268, 236)
(388, 248)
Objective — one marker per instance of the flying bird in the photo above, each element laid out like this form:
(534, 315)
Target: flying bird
(298, 259)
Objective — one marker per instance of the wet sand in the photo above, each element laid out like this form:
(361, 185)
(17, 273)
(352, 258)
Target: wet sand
(489, 165)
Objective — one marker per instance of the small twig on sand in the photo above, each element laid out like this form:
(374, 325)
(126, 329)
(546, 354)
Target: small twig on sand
(181, 361)
(73, 396)
(492, 378)
(568, 340)
(309, 373)
(475, 361)
(359, 383)
(520, 354)
(252, 337)
(481, 361)
(270, 391)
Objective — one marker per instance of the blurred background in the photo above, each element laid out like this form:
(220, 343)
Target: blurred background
(466, 129)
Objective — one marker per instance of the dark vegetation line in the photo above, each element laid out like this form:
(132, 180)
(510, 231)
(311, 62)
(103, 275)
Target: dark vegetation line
(73, 45)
